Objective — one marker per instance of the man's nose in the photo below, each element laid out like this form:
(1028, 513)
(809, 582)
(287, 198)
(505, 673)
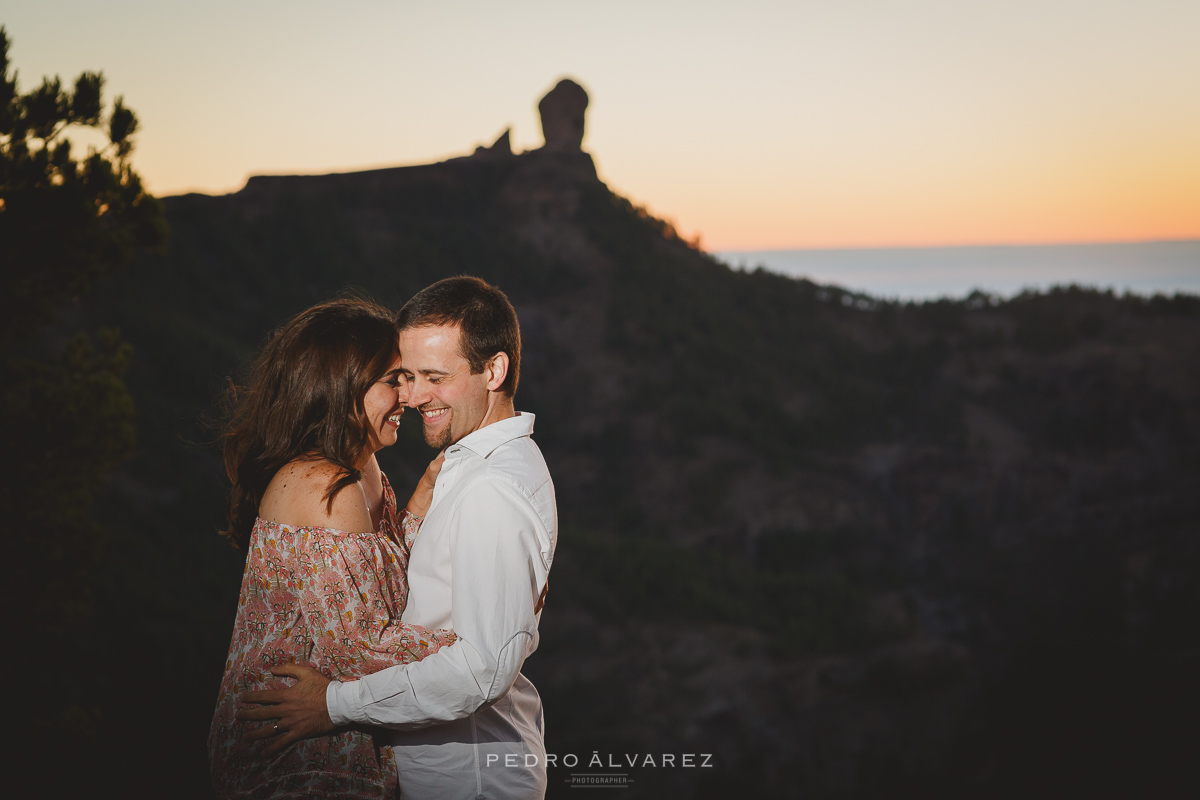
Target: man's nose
(418, 395)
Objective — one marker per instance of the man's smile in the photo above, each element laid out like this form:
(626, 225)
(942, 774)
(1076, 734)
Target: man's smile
(431, 415)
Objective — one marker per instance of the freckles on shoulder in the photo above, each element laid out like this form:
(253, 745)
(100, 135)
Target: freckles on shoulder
(297, 492)
(296, 476)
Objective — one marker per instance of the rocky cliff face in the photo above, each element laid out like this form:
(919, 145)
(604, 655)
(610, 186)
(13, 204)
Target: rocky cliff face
(850, 547)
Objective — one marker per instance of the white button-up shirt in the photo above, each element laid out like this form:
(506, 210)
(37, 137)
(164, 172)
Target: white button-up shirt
(478, 566)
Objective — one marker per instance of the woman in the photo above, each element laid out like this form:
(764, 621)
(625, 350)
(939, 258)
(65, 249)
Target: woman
(327, 549)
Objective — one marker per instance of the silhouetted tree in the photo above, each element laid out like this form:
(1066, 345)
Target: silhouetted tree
(66, 416)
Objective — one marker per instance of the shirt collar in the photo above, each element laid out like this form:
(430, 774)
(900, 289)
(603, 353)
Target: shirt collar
(483, 441)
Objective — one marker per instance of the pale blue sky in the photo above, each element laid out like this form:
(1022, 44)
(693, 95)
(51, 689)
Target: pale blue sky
(914, 273)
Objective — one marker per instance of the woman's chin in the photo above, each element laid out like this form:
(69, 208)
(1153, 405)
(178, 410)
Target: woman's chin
(384, 439)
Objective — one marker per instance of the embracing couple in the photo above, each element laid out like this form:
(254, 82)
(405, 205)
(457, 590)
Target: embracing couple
(379, 648)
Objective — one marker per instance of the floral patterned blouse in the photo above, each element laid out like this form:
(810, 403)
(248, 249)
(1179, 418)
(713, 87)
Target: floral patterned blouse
(332, 600)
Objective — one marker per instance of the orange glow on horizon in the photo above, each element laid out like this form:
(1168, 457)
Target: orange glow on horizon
(791, 125)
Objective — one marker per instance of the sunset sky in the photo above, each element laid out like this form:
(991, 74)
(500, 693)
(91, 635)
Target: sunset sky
(757, 125)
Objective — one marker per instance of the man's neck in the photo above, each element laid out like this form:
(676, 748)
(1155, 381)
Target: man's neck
(500, 407)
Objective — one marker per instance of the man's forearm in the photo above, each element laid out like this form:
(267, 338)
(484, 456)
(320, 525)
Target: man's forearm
(451, 684)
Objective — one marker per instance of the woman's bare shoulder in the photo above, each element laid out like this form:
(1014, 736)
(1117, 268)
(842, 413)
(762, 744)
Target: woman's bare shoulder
(296, 496)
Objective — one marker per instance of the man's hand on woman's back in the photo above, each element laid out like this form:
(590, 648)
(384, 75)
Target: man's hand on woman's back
(295, 713)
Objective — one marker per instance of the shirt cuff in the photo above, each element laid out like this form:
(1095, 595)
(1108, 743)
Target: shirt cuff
(342, 700)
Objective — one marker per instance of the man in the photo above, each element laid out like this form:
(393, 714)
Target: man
(465, 722)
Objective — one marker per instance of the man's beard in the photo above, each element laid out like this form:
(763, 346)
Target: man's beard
(439, 441)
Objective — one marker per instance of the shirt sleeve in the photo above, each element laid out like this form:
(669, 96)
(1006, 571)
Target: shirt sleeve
(497, 572)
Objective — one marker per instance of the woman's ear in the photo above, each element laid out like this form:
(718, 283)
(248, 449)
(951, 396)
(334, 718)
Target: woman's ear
(497, 371)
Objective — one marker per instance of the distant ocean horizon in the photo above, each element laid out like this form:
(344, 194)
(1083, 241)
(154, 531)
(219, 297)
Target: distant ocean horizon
(921, 273)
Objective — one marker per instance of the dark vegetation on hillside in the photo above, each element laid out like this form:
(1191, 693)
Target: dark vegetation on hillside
(851, 547)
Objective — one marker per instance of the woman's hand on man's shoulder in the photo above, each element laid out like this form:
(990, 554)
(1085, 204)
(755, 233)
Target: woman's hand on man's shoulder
(422, 498)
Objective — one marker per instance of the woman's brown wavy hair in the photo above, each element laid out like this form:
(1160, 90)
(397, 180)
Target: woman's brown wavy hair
(304, 400)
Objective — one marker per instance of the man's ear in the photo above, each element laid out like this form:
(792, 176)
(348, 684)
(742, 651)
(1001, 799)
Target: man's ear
(497, 370)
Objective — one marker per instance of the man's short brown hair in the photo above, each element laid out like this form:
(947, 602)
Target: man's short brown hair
(483, 314)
